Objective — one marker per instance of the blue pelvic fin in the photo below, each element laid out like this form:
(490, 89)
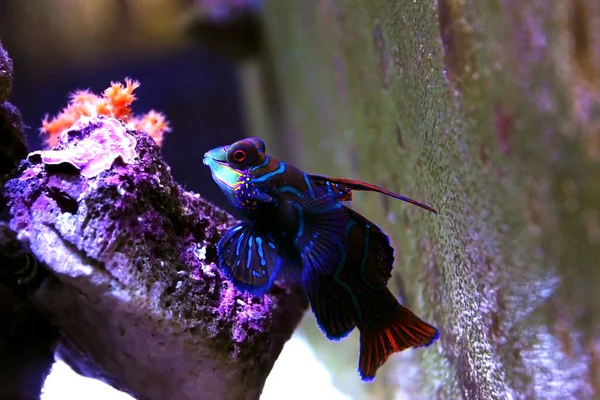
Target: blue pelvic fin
(249, 259)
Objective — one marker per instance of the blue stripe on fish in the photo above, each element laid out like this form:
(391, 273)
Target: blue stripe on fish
(263, 262)
(309, 185)
(338, 271)
(263, 164)
(332, 207)
(249, 260)
(265, 177)
(237, 250)
(300, 223)
(289, 189)
(363, 264)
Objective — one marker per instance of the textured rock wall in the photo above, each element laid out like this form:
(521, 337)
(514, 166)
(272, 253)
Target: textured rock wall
(490, 112)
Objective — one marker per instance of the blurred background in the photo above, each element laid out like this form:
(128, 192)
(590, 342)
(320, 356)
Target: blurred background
(85, 44)
(61, 46)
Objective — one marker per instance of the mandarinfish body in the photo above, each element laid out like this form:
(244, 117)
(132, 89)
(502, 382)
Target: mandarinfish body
(297, 230)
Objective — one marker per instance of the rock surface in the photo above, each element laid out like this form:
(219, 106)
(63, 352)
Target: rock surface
(135, 288)
(27, 339)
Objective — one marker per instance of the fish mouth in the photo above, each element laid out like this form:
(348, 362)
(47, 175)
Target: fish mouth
(222, 173)
(211, 161)
(215, 157)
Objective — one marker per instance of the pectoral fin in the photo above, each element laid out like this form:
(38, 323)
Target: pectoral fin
(249, 259)
(320, 238)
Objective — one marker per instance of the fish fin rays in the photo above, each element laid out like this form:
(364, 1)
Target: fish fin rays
(318, 240)
(335, 322)
(347, 185)
(339, 190)
(249, 259)
(389, 333)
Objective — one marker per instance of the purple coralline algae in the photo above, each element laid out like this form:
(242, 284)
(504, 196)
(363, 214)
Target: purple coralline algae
(135, 286)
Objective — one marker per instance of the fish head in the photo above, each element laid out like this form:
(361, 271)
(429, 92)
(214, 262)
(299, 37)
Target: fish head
(228, 163)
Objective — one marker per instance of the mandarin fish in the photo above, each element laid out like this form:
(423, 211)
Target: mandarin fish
(296, 230)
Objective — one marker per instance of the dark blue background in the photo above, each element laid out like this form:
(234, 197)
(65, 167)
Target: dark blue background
(195, 88)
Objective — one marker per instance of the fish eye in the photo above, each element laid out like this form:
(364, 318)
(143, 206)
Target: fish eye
(242, 154)
(239, 155)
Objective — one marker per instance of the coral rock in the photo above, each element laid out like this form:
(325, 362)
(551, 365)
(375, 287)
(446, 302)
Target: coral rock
(138, 292)
(27, 339)
(92, 146)
(13, 146)
(6, 75)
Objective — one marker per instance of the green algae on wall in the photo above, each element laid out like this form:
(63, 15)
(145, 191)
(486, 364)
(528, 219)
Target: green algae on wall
(490, 112)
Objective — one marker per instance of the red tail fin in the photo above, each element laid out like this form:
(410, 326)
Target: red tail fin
(392, 332)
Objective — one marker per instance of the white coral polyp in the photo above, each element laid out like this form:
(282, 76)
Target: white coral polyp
(97, 151)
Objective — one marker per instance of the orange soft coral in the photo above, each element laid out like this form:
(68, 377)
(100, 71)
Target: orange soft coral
(154, 124)
(64, 120)
(115, 102)
(120, 97)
